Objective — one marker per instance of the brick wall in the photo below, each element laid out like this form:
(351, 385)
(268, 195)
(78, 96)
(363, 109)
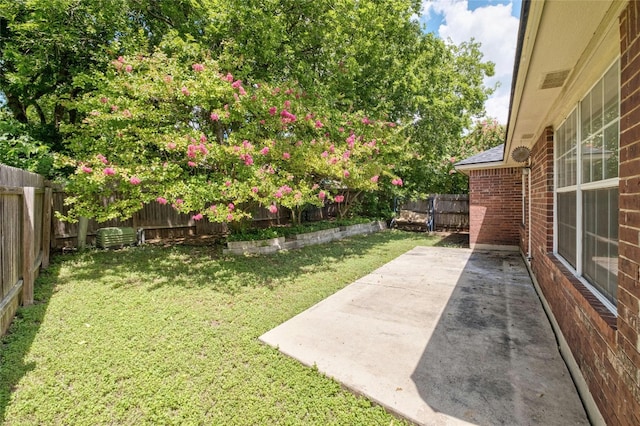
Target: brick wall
(605, 347)
(495, 206)
(628, 355)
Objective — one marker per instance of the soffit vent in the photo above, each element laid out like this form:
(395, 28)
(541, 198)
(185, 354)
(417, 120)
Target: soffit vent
(554, 79)
(527, 136)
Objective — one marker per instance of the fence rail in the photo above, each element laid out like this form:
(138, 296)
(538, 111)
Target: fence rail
(25, 230)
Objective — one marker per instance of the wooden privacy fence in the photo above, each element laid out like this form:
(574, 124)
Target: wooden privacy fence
(448, 211)
(163, 222)
(25, 230)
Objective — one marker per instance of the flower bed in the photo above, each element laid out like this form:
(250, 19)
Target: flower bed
(296, 241)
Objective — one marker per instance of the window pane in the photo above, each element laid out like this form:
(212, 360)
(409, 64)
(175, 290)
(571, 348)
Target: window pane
(611, 95)
(611, 135)
(600, 240)
(585, 113)
(567, 226)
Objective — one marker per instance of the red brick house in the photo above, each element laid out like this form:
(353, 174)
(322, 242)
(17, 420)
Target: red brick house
(564, 189)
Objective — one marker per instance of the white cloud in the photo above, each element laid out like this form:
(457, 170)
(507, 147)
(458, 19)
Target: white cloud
(495, 28)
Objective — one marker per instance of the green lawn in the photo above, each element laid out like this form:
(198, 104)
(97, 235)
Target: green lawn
(169, 335)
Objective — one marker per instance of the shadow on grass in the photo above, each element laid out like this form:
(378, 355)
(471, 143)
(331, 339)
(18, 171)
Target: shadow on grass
(16, 343)
(206, 267)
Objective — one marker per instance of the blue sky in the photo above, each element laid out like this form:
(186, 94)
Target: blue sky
(493, 23)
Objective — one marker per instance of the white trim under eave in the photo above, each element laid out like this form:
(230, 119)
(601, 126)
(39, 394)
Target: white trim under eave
(465, 168)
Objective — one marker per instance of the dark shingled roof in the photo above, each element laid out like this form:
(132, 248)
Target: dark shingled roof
(489, 156)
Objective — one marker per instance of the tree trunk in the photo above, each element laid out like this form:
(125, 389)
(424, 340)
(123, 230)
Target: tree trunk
(83, 223)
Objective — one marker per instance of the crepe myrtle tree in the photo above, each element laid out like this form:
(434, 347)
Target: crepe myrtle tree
(213, 146)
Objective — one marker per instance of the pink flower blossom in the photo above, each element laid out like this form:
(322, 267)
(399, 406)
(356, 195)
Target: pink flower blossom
(278, 194)
(109, 171)
(127, 114)
(397, 182)
(121, 59)
(315, 186)
(229, 217)
(265, 150)
(375, 178)
(366, 120)
(214, 116)
(346, 155)
(227, 183)
(198, 216)
(247, 145)
(339, 198)
(213, 208)
(242, 91)
(332, 148)
(104, 100)
(341, 129)
(319, 124)
(87, 169)
(197, 67)
(308, 116)
(254, 189)
(229, 77)
(273, 110)
(236, 84)
(128, 68)
(102, 159)
(333, 160)
(168, 79)
(161, 200)
(134, 180)
(191, 164)
(262, 122)
(185, 91)
(390, 124)
(179, 202)
(452, 159)
(273, 209)
(286, 155)
(171, 145)
(287, 117)
(95, 113)
(298, 195)
(286, 188)
(346, 173)
(231, 207)
(114, 108)
(248, 159)
(287, 104)
(324, 154)
(321, 195)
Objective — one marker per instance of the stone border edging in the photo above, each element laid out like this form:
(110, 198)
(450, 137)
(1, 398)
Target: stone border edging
(301, 240)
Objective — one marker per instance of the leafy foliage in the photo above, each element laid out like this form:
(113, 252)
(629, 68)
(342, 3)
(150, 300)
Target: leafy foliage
(190, 136)
(352, 55)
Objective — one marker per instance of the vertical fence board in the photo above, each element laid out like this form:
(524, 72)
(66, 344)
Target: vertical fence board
(28, 242)
(22, 238)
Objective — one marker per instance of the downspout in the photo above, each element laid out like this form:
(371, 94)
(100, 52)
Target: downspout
(529, 217)
(526, 174)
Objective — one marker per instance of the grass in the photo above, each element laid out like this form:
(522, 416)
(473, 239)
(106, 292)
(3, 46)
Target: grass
(157, 335)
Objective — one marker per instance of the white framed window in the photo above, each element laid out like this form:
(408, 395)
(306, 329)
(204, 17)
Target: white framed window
(586, 188)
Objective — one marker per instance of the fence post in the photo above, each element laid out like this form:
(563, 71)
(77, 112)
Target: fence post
(83, 224)
(46, 225)
(28, 235)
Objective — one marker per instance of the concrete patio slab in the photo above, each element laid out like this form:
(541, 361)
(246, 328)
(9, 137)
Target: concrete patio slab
(441, 336)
